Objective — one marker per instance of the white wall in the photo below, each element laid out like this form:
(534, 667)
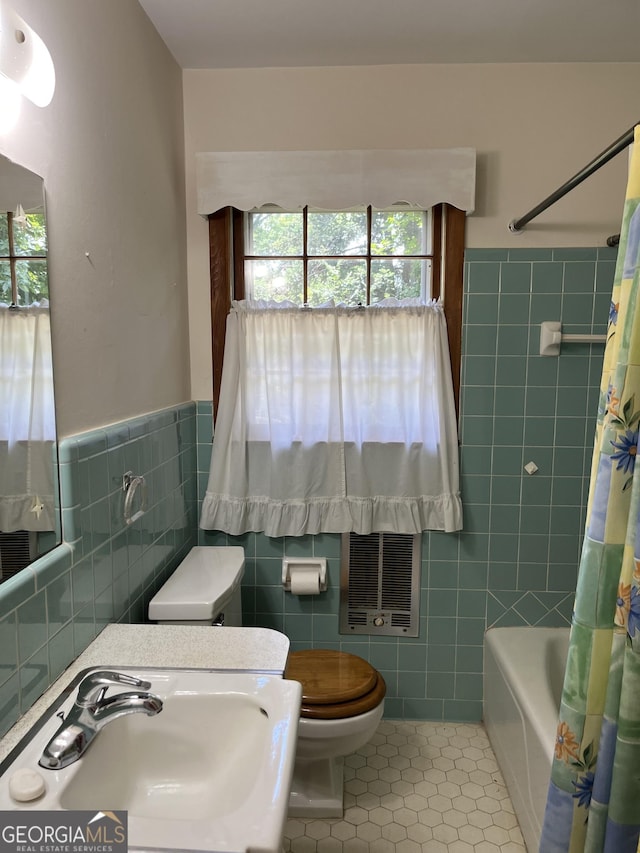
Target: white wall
(533, 126)
(110, 148)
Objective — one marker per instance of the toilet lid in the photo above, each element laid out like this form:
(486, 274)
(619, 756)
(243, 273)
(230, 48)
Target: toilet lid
(329, 677)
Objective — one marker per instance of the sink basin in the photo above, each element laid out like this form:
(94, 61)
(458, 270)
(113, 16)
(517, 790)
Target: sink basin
(212, 771)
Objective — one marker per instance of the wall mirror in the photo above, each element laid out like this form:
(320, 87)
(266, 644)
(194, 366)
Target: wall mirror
(29, 504)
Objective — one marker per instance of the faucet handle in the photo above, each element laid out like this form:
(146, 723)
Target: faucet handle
(94, 686)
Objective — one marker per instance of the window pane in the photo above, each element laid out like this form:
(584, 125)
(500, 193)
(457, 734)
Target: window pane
(343, 233)
(276, 279)
(4, 234)
(342, 281)
(401, 279)
(30, 238)
(32, 281)
(274, 234)
(399, 233)
(5, 282)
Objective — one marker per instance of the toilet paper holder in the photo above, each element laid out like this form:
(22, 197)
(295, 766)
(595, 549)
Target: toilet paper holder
(290, 564)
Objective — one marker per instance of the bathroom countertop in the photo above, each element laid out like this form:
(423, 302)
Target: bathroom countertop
(187, 646)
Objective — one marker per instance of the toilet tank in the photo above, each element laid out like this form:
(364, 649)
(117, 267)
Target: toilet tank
(203, 590)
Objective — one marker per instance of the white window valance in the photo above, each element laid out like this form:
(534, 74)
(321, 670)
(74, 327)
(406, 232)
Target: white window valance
(336, 180)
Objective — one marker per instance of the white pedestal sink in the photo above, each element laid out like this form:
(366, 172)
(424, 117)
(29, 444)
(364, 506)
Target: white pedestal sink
(211, 772)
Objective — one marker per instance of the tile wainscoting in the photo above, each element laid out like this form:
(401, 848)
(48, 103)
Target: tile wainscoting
(105, 570)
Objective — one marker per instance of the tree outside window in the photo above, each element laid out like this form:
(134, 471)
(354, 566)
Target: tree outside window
(351, 257)
(23, 259)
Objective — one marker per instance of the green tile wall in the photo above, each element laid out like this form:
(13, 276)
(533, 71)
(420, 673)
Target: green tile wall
(105, 571)
(515, 562)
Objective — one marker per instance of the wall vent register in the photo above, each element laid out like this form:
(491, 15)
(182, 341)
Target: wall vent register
(380, 584)
(16, 552)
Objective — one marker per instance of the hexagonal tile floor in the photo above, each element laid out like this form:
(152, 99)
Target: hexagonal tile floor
(417, 788)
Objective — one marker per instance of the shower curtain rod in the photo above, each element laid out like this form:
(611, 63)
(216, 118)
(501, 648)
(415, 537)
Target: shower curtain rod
(609, 153)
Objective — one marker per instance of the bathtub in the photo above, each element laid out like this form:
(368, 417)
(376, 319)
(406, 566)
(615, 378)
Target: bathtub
(523, 678)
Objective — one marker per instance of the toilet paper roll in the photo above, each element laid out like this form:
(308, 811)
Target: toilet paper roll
(305, 582)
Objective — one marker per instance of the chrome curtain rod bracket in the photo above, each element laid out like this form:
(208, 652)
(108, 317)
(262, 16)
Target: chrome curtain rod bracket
(516, 225)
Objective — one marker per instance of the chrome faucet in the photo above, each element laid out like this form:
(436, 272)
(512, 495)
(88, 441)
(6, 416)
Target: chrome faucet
(91, 712)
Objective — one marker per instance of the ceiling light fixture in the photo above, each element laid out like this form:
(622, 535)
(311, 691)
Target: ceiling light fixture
(24, 59)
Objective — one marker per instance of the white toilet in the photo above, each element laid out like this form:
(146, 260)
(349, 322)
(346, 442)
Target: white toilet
(342, 705)
(203, 590)
(342, 694)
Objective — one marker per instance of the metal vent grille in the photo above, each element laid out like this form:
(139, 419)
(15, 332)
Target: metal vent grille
(380, 584)
(15, 553)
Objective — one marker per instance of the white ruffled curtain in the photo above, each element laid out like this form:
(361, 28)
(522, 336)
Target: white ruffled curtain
(335, 419)
(27, 420)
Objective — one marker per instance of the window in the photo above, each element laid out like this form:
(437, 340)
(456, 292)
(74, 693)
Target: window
(355, 257)
(23, 259)
(340, 417)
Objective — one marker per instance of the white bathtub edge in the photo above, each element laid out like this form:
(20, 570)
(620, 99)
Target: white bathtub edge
(520, 715)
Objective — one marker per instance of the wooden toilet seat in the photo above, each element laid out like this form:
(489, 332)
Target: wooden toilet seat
(335, 684)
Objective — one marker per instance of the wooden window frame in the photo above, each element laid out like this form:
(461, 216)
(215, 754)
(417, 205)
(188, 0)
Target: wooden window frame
(226, 270)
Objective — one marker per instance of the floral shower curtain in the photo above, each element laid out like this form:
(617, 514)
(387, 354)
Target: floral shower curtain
(593, 802)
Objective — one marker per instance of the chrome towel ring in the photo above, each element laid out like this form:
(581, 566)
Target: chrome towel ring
(130, 485)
